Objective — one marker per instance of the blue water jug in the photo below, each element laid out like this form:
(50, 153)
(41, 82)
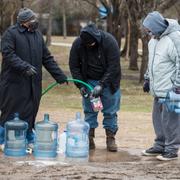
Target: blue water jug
(46, 139)
(15, 137)
(173, 102)
(77, 142)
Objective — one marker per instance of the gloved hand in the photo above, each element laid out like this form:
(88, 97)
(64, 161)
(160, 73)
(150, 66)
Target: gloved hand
(97, 91)
(84, 92)
(146, 86)
(62, 81)
(31, 71)
(176, 90)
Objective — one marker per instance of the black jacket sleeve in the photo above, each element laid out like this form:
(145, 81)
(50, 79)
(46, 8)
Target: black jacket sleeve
(9, 54)
(51, 66)
(112, 52)
(75, 63)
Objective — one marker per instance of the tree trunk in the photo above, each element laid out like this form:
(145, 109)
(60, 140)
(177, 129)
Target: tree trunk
(49, 29)
(1, 14)
(109, 23)
(64, 21)
(22, 3)
(144, 58)
(126, 43)
(134, 36)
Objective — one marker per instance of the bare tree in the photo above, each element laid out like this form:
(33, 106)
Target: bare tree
(49, 29)
(64, 19)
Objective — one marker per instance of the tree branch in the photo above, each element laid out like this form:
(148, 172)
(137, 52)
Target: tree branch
(91, 3)
(166, 5)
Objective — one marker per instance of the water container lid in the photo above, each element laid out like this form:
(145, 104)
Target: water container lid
(16, 123)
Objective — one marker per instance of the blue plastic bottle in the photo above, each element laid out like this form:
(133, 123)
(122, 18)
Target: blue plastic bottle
(77, 142)
(173, 102)
(15, 137)
(46, 139)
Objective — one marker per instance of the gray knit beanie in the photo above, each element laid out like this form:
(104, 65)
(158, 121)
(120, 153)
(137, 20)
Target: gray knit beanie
(25, 14)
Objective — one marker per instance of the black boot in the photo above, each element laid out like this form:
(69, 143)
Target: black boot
(110, 141)
(91, 139)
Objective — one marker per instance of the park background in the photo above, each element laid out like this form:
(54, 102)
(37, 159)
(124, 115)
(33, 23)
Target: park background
(60, 22)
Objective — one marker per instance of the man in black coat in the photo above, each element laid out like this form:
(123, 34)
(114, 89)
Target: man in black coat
(24, 53)
(95, 59)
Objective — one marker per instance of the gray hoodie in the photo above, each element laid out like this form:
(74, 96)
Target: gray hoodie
(164, 60)
(156, 23)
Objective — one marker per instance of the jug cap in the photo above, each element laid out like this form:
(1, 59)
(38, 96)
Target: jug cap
(46, 117)
(78, 116)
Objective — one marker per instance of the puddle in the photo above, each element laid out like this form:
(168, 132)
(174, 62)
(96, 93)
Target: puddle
(97, 156)
(102, 155)
(41, 163)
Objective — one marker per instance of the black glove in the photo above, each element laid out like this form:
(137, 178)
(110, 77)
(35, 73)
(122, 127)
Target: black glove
(63, 80)
(146, 86)
(176, 90)
(84, 92)
(31, 71)
(97, 91)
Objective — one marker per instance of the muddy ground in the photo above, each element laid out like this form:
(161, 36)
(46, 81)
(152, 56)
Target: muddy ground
(135, 133)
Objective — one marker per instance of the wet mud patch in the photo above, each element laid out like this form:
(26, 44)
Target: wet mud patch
(102, 155)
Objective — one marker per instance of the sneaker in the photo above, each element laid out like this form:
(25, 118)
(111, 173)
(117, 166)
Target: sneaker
(151, 152)
(168, 156)
(30, 148)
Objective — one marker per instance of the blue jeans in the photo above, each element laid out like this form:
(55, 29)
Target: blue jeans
(111, 104)
(1, 135)
(30, 136)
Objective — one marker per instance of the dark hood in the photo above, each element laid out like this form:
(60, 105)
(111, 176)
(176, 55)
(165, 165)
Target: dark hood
(93, 31)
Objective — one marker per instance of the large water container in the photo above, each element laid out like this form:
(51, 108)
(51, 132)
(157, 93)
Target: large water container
(77, 143)
(46, 138)
(15, 137)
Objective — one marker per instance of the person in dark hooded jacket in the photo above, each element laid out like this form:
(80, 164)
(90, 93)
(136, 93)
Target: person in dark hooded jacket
(24, 52)
(95, 59)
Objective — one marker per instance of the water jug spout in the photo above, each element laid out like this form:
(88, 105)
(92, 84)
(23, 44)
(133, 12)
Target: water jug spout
(46, 117)
(78, 116)
(16, 116)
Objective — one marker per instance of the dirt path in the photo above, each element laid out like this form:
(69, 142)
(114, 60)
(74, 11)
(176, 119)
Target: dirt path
(135, 133)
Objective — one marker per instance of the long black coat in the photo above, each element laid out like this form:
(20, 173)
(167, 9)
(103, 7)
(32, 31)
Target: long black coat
(18, 92)
(109, 56)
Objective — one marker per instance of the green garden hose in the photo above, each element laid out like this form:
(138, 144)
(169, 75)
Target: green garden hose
(68, 79)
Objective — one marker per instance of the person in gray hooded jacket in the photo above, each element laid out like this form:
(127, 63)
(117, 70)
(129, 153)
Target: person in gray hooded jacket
(163, 75)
